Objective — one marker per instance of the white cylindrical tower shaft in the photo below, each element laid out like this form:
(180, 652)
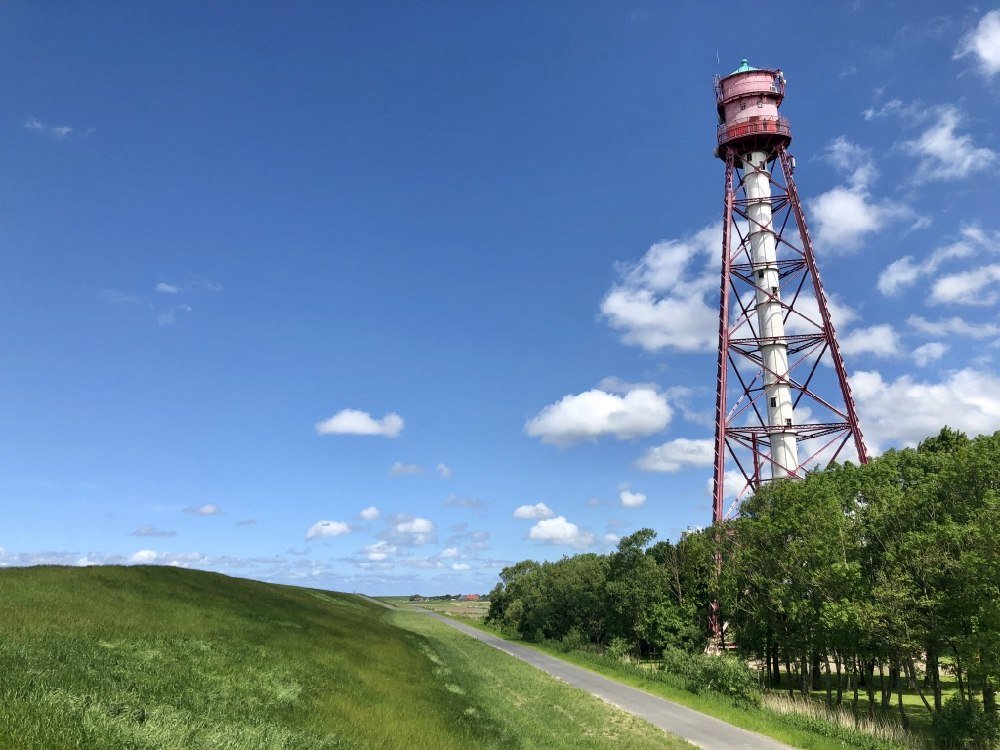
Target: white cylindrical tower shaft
(770, 317)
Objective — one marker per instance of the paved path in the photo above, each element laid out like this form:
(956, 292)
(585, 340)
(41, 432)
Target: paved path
(704, 731)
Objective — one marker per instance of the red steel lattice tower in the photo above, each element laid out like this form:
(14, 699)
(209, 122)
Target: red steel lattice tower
(780, 409)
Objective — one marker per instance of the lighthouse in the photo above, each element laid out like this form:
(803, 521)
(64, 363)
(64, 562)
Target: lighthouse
(775, 327)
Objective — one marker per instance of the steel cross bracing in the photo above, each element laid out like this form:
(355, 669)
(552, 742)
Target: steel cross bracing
(742, 429)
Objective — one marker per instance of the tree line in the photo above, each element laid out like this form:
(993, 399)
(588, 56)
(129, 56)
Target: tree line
(858, 580)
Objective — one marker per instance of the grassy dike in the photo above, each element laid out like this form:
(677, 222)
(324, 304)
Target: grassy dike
(152, 657)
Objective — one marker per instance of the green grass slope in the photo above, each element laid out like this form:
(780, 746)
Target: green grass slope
(152, 657)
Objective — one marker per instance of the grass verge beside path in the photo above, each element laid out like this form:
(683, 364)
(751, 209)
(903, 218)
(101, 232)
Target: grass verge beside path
(541, 712)
(780, 727)
(158, 658)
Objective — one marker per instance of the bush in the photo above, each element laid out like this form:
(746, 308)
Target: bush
(722, 674)
(964, 725)
(620, 649)
(573, 640)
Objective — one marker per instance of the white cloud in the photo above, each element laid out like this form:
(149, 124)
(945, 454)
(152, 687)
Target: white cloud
(631, 499)
(954, 326)
(399, 469)
(415, 526)
(165, 288)
(149, 530)
(410, 531)
(906, 271)
(677, 454)
(806, 315)
(355, 422)
(55, 132)
(733, 483)
(930, 352)
(880, 340)
(143, 557)
(371, 513)
(682, 321)
(660, 302)
(611, 539)
(905, 411)
(208, 509)
(538, 510)
(983, 43)
(322, 529)
(942, 153)
(449, 552)
(845, 214)
(460, 566)
(560, 531)
(589, 415)
(967, 287)
(444, 471)
(379, 551)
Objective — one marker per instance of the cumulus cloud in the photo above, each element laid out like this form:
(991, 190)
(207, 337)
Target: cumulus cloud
(904, 272)
(595, 413)
(143, 557)
(416, 526)
(399, 469)
(449, 552)
(149, 530)
(930, 352)
(677, 454)
(371, 513)
(323, 529)
(379, 551)
(631, 499)
(538, 510)
(973, 287)
(208, 509)
(905, 411)
(733, 483)
(409, 531)
(944, 154)
(660, 301)
(355, 422)
(559, 531)
(443, 471)
(983, 44)
(846, 214)
(880, 340)
(954, 326)
(460, 566)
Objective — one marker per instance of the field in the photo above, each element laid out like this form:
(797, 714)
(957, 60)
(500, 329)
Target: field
(171, 659)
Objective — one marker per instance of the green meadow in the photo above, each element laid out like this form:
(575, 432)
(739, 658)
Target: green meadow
(155, 657)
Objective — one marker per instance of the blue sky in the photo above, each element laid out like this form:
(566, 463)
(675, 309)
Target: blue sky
(329, 293)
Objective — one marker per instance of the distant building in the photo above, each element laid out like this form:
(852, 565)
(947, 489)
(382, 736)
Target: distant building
(471, 598)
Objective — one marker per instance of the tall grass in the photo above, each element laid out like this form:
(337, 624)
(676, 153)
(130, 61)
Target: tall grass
(861, 730)
(152, 658)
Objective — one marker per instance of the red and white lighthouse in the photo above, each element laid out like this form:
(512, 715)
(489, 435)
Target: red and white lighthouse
(779, 410)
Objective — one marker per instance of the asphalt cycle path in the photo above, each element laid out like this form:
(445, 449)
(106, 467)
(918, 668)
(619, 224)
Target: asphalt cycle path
(704, 731)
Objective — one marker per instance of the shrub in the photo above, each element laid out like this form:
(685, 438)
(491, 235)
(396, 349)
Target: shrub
(964, 725)
(620, 649)
(722, 674)
(573, 640)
